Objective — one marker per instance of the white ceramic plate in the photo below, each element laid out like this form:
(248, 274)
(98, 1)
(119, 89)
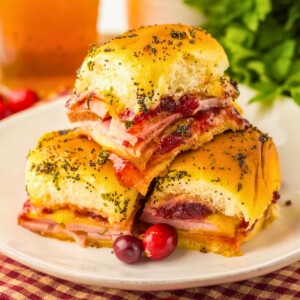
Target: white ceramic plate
(270, 250)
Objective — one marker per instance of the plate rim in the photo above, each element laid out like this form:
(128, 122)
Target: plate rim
(146, 285)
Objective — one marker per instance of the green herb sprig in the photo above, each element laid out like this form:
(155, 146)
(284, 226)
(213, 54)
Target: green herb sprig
(262, 41)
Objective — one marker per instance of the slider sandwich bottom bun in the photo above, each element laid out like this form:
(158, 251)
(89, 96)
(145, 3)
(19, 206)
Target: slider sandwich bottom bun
(73, 192)
(221, 195)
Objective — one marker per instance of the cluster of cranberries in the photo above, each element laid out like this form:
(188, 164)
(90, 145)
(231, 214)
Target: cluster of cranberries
(158, 242)
(15, 101)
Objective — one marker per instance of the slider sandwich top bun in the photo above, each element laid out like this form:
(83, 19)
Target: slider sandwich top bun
(151, 93)
(134, 70)
(73, 192)
(221, 194)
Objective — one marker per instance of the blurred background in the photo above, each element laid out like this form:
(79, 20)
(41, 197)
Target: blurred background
(43, 42)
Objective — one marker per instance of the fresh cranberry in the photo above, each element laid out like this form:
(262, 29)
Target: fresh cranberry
(21, 99)
(4, 109)
(128, 249)
(159, 241)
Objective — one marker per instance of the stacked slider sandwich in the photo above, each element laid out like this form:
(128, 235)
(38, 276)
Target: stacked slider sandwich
(151, 93)
(74, 193)
(139, 101)
(220, 195)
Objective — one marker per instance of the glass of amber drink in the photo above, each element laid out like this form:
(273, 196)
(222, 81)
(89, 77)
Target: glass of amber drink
(43, 42)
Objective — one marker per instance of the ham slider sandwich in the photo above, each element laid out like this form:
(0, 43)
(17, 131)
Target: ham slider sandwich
(220, 195)
(74, 194)
(151, 93)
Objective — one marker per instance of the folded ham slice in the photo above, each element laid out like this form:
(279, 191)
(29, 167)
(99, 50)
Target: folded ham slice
(132, 133)
(83, 228)
(143, 145)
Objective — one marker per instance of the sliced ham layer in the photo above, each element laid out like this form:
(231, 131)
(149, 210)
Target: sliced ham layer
(39, 225)
(79, 228)
(151, 218)
(138, 149)
(78, 232)
(87, 102)
(182, 218)
(115, 131)
(143, 127)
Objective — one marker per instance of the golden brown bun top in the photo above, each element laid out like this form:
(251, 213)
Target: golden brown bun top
(236, 173)
(66, 169)
(135, 69)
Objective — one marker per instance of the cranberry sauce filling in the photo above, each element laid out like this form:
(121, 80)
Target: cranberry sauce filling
(168, 143)
(202, 121)
(185, 105)
(185, 211)
(126, 144)
(235, 115)
(276, 196)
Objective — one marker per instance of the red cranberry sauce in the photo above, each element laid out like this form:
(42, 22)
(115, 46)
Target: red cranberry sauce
(201, 122)
(185, 105)
(126, 144)
(185, 211)
(168, 143)
(276, 196)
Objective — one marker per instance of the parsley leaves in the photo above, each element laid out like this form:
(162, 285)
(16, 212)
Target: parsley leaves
(262, 41)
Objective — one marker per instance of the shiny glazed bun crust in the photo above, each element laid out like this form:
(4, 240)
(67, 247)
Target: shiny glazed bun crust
(135, 69)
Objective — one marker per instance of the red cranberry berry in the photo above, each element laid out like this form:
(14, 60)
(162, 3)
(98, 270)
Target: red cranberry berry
(4, 109)
(128, 249)
(160, 240)
(21, 99)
